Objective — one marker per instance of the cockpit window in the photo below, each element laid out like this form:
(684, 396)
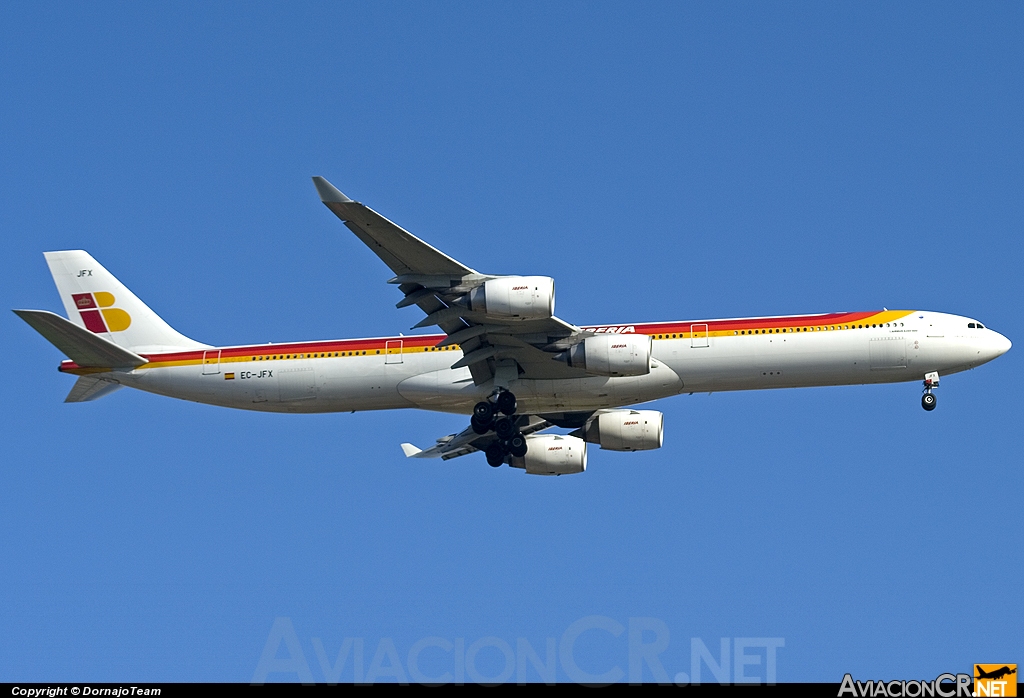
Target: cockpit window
(975, 325)
(971, 325)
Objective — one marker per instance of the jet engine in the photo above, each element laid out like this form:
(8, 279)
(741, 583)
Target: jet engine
(552, 454)
(626, 430)
(515, 297)
(611, 355)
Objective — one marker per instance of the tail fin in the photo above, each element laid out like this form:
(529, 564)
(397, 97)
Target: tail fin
(98, 302)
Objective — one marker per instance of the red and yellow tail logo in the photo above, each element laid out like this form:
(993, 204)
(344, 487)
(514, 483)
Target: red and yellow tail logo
(995, 679)
(97, 313)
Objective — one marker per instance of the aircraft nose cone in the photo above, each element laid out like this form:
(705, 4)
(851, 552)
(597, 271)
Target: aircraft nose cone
(1001, 345)
(992, 345)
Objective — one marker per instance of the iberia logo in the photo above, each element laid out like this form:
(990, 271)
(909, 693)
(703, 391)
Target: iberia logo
(995, 679)
(97, 313)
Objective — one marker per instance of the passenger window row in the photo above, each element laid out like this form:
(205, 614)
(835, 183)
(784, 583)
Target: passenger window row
(324, 355)
(820, 328)
(777, 330)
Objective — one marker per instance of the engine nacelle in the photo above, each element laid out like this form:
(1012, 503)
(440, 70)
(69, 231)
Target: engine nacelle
(627, 430)
(553, 454)
(515, 297)
(612, 355)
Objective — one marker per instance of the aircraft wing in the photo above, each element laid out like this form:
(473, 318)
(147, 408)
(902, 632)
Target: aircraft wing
(433, 281)
(468, 441)
(402, 251)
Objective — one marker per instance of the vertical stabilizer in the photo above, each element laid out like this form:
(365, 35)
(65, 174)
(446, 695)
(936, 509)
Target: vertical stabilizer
(98, 302)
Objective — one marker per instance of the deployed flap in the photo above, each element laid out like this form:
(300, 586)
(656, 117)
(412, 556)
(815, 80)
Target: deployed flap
(403, 252)
(468, 441)
(88, 388)
(450, 446)
(78, 344)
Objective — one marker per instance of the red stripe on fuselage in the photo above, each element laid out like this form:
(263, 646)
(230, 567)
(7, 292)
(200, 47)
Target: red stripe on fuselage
(422, 341)
(750, 323)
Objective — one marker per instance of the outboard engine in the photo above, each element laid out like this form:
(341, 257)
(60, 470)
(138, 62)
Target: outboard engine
(552, 454)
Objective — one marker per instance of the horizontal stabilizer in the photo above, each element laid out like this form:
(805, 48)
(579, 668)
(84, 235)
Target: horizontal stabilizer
(79, 344)
(88, 388)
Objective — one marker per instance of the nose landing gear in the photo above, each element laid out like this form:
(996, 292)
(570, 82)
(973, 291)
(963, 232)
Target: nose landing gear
(510, 439)
(928, 401)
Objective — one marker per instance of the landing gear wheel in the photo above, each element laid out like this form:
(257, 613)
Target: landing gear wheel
(478, 426)
(483, 411)
(517, 445)
(506, 402)
(504, 428)
(495, 455)
(931, 380)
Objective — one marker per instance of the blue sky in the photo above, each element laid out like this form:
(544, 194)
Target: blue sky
(663, 161)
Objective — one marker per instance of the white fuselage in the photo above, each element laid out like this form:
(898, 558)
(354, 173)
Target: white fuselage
(409, 372)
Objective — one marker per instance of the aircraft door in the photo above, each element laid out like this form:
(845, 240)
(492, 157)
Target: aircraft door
(393, 351)
(296, 384)
(211, 362)
(699, 335)
(887, 352)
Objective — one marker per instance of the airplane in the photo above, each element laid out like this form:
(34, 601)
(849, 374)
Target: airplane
(503, 356)
(995, 674)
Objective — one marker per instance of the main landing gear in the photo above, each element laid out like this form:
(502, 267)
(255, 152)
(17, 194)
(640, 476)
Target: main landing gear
(931, 380)
(499, 415)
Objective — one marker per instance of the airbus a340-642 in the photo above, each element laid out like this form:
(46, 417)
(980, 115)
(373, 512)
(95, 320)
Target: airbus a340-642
(503, 357)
